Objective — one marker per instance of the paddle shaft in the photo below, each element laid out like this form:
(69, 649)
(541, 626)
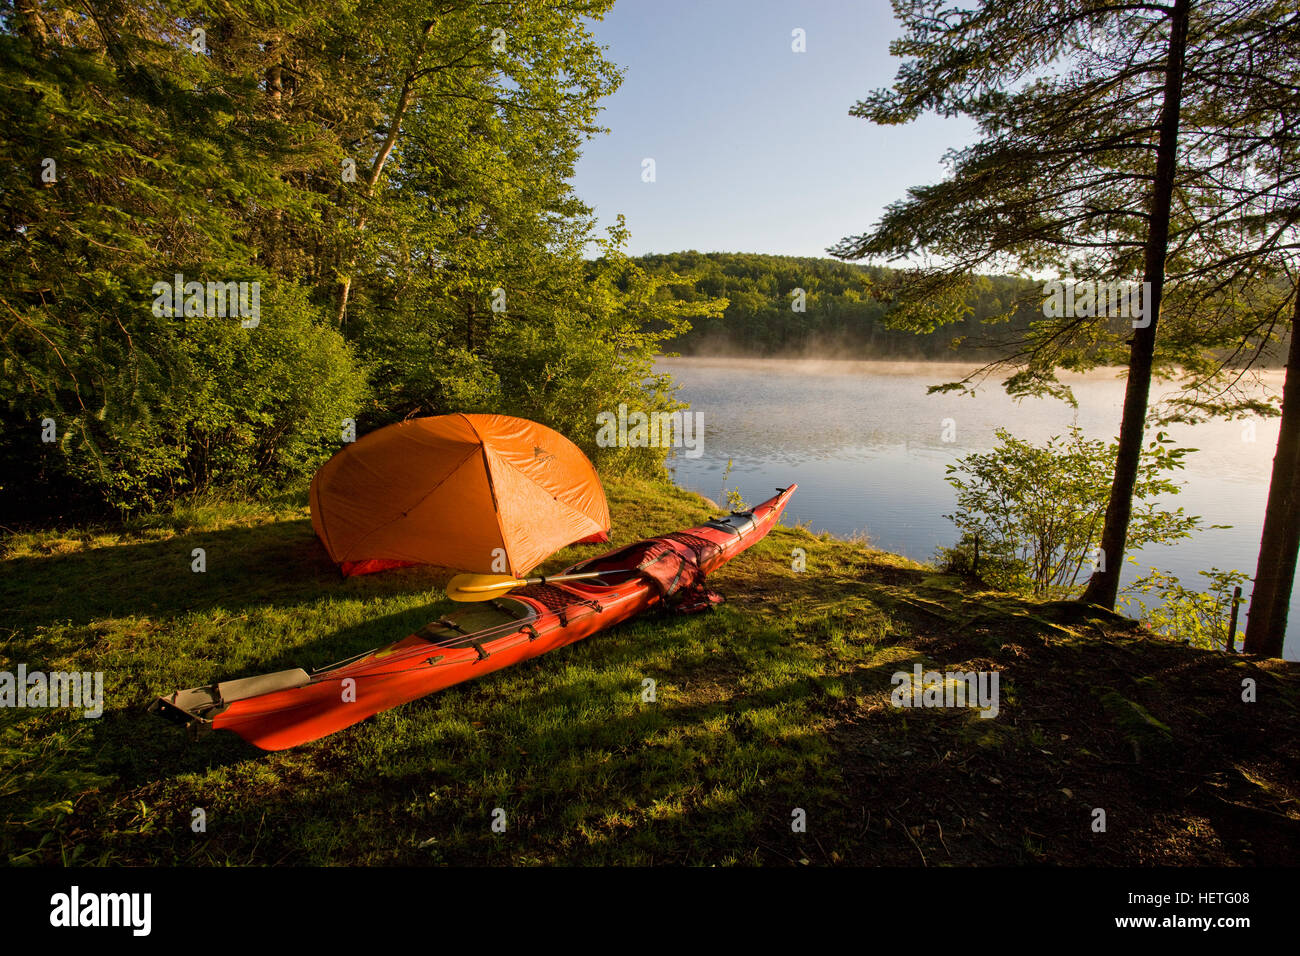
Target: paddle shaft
(520, 582)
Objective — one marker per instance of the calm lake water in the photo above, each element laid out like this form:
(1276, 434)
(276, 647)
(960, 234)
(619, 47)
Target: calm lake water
(865, 443)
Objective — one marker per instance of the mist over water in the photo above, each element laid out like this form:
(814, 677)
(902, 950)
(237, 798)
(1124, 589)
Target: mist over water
(865, 443)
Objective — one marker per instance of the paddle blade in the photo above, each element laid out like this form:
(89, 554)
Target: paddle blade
(481, 587)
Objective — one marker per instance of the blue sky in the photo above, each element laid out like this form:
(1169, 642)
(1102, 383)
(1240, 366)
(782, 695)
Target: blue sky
(753, 146)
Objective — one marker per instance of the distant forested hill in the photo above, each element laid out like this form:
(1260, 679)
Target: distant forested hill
(846, 313)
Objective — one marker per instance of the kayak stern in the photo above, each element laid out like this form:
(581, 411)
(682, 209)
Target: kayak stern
(196, 707)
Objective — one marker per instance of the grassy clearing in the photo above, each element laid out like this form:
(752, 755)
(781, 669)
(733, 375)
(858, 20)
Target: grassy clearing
(777, 700)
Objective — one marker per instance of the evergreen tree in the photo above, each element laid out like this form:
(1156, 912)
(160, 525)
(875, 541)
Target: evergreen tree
(1100, 126)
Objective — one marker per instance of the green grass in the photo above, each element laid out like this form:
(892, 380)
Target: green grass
(777, 700)
(583, 768)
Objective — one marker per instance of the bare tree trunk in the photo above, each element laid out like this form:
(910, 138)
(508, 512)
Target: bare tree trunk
(1103, 586)
(1279, 545)
(31, 24)
(377, 169)
(275, 96)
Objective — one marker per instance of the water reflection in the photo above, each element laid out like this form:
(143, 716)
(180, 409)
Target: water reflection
(866, 444)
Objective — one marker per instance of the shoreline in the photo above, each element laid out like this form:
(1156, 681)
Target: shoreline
(905, 367)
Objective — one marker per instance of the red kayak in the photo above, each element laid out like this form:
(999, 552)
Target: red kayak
(288, 708)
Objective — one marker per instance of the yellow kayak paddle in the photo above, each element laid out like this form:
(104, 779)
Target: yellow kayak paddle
(485, 587)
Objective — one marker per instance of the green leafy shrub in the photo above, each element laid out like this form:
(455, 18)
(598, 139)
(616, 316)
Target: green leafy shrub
(1037, 511)
(219, 406)
(1201, 618)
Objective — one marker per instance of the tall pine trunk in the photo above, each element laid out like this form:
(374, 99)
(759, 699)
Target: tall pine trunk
(1280, 543)
(1103, 586)
(377, 168)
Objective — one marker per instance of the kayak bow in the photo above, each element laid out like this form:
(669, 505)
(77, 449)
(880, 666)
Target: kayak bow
(292, 707)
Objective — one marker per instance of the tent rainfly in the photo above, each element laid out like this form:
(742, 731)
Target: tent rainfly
(486, 493)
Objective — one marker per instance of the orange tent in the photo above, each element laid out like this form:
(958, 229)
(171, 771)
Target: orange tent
(485, 493)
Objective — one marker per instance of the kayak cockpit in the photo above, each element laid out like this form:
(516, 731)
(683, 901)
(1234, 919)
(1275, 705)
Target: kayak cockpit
(478, 623)
(618, 567)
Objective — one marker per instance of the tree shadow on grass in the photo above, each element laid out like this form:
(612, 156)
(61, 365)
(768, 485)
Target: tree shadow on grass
(275, 563)
(141, 748)
(143, 752)
(374, 803)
